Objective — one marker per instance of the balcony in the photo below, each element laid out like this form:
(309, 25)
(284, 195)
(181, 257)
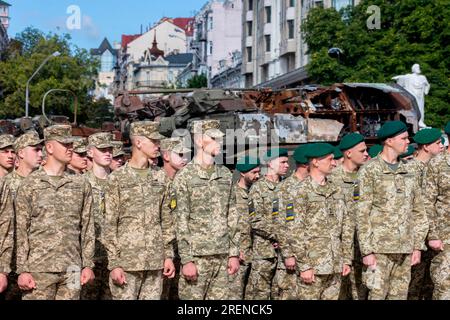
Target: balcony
(150, 84)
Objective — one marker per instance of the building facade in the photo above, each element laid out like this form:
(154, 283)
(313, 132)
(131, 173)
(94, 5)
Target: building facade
(4, 24)
(272, 41)
(229, 75)
(107, 57)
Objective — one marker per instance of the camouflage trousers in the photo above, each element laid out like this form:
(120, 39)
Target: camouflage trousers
(440, 274)
(55, 286)
(352, 287)
(390, 279)
(325, 287)
(286, 284)
(238, 282)
(99, 289)
(261, 281)
(421, 286)
(141, 285)
(212, 281)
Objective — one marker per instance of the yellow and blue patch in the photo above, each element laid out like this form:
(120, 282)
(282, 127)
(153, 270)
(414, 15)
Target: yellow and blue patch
(275, 208)
(290, 215)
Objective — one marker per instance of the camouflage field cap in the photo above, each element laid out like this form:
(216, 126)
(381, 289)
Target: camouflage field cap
(209, 127)
(79, 145)
(61, 133)
(117, 148)
(6, 140)
(147, 129)
(175, 145)
(101, 140)
(28, 139)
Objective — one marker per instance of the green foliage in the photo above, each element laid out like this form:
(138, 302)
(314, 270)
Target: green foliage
(197, 81)
(412, 31)
(75, 69)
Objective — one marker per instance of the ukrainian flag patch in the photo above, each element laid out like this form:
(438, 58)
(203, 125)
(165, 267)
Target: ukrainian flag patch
(290, 216)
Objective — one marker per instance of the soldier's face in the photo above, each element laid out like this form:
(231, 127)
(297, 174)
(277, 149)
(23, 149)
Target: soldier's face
(212, 146)
(116, 163)
(32, 156)
(102, 157)
(326, 164)
(79, 161)
(358, 154)
(252, 176)
(178, 161)
(280, 165)
(435, 148)
(62, 151)
(150, 147)
(7, 158)
(399, 143)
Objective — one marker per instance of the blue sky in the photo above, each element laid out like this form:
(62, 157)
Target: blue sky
(99, 18)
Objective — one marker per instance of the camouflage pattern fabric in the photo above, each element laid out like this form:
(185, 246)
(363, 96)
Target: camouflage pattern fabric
(391, 217)
(325, 287)
(55, 226)
(141, 285)
(29, 138)
(437, 204)
(6, 228)
(54, 286)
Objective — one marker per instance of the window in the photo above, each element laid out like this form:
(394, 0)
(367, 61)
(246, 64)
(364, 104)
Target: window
(249, 28)
(210, 47)
(339, 4)
(107, 62)
(291, 3)
(267, 38)
(291, 26)
(249, 54)
(211, 23)
(268, 14)
(250, 5)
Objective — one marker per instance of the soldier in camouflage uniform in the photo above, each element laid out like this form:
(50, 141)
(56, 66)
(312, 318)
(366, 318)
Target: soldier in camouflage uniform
(55, 226)
(7, 154)
(319, 231)
(287, 272)
(355, 153)
(264, 207)
(175, 157)
(391, 220)
(118, 159)
(138, 230)
(437, 204)
(429, 142)
(78, 164)
(249, 170)
(28, 149)
(207, 222)
(6, 237)
(100, 150)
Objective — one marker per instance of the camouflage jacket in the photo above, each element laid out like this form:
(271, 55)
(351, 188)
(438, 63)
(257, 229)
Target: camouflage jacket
(98, 212)
(288, 191)
(316, 222)
(55, 226)
(6, 228)
(391, 216)
(206, 216)
(437, 197)
(246, 243)
(138, 231)
(418, 168)
(264, 209)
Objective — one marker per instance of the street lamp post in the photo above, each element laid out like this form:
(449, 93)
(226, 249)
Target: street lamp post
(27, 101)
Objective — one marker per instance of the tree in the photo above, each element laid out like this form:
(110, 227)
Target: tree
(198, 81)
(74, 70)
(412, 31)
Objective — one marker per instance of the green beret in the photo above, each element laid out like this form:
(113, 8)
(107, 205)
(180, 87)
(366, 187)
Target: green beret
(337, 153)
(247, 164)
(409, 152)
(300, 154)
(427, 136)
(351, 140)
(391, 129)
(447, 128)
(375, 150)
(275, 153)
(319, 150)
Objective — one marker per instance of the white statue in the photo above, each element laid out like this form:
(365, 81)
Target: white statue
(418, 86)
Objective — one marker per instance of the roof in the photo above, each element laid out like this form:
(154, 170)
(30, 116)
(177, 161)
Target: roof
(179, 59)
(3, 3)
(126, 39)
(105, 45)
(186, 24)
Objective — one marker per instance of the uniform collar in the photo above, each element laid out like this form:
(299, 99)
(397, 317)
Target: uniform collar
(386, 170)
(217, 174)
(271, 185)
(326, 190)
(43, 176)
